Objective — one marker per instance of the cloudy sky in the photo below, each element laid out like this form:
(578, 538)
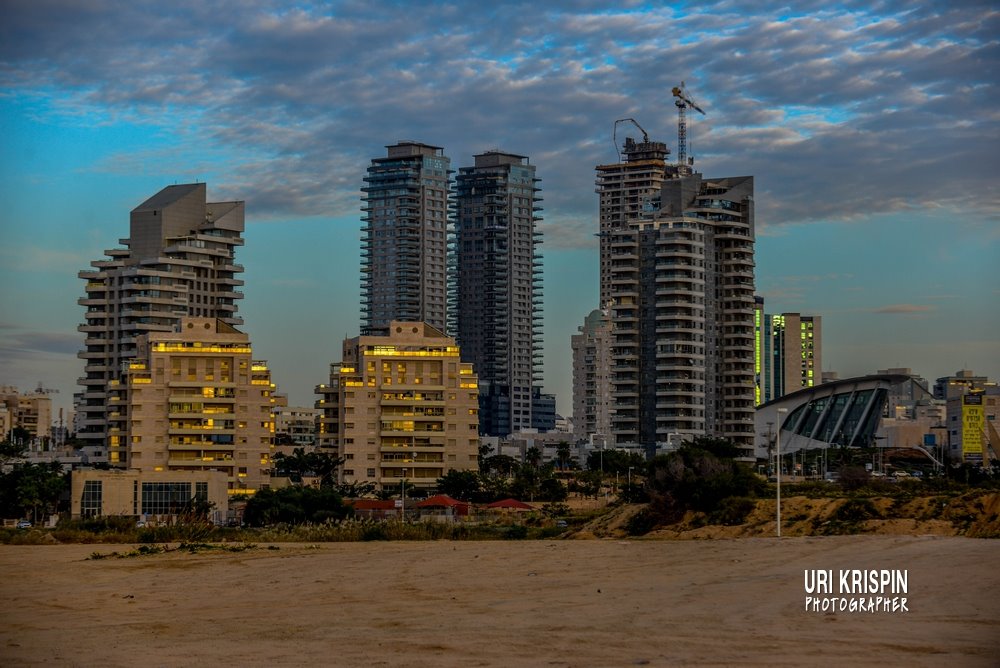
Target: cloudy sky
(871, 129)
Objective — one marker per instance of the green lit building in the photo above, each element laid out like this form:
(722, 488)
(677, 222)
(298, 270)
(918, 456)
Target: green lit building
(787, 353)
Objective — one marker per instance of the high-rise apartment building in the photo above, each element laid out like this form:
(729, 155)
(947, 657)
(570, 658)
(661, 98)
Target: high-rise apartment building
(788, 353)
(177, 261)
(497, 284)
(629, 191)
(401, 407)
(592, 375)
(682, 284)
(404, 243)
(195, 400)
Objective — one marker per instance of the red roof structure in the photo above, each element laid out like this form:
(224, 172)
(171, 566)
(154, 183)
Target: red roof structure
(510, 504)
(444, 501)
(371, 504)
(438, 501)
(373, 508)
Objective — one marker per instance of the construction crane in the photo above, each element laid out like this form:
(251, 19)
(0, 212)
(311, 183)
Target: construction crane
(683, 101)
(614, 134)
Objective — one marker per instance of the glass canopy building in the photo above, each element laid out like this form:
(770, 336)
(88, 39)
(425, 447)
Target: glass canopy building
(842, 412)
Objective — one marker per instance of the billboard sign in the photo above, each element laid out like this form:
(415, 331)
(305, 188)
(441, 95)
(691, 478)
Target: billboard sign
(973, 422)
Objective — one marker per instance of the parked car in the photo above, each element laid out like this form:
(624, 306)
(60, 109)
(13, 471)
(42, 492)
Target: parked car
(23, 524)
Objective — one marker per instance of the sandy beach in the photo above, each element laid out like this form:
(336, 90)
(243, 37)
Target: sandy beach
(552, 603)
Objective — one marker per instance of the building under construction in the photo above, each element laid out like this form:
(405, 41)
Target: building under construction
(677, 273)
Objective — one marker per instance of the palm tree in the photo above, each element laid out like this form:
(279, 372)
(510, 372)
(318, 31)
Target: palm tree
(563, 453)
(533, 457)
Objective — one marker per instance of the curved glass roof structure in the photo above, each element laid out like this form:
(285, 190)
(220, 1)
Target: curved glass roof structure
(842, 412)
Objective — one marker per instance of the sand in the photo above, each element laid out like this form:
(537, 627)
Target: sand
(553, 603)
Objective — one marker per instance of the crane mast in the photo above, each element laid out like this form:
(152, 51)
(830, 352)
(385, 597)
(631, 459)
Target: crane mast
(683, 101)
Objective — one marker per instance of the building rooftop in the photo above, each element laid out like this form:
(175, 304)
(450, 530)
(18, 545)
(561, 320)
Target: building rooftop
(168, 196)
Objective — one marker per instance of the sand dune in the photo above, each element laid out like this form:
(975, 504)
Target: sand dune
(559, 603)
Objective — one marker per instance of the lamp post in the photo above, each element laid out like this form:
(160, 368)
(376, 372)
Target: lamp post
(402, 497)
(630, 481)
(777, 454)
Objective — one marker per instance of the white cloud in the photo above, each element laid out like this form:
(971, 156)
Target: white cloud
(840, 113)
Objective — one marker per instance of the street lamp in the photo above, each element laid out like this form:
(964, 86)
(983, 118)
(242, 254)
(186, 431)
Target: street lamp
(402, 496)
(777, 454)
(630, 480)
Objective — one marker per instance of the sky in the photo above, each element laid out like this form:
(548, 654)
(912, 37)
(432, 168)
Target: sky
(871, 129)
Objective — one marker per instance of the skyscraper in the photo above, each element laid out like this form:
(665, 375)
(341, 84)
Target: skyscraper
(682, 280)
(628, 191)
(498, 285)
(178, 261)
(404, 243)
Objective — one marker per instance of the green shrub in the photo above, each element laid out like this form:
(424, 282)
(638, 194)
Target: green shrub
(856, 510)
(642, 522)
(516, 532)
(732, 511)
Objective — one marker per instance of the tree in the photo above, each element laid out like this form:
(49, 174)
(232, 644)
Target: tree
(10, 450)
(563, 453)
(615, 461)
(525, 483)
(461, 485)
(552, 489)
(493, 487)
(587, 483)
(633, 492)
(21, 436)
(358, 489)
(696, 478)
(30, 488)
(299, 463)
(501, 464)
(533, 457)
(295, 505)
(484, 454)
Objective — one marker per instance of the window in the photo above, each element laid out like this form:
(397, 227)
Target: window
(166, 498)
(91, 499)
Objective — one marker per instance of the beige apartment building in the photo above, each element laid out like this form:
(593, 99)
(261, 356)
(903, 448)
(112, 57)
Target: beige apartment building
(195, 400)
(31, 411)
(592, 376)
(401, 407)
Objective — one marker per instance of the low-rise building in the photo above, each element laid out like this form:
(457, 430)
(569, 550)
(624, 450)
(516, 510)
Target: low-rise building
(974, 427)
(154, 496)
(30, 411)
(401, 406)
